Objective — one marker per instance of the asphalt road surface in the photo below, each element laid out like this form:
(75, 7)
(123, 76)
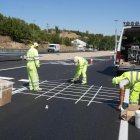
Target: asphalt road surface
(63, 111)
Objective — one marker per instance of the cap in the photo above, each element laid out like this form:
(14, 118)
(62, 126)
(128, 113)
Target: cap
(35, 44)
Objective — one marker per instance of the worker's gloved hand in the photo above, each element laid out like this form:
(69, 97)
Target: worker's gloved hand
(120, 108)
(38, 66)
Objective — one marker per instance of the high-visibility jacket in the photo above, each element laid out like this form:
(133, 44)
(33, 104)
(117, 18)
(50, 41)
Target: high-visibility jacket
(33, 57)
(134, 85)
(133, 77)
(81, 67)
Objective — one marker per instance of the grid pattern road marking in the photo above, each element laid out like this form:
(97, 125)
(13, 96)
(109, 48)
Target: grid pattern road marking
(94, 96)
(60, 91)
(50, 90)
(75, 92)
(84, 94)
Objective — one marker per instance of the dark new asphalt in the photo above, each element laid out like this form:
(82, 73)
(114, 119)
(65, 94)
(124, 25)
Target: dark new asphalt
(27, 119)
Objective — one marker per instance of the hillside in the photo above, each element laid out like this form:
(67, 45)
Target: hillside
(7, 42)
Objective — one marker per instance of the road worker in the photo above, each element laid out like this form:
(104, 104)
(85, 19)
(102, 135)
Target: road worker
(81, 64)
(33, 64)
(128, 81)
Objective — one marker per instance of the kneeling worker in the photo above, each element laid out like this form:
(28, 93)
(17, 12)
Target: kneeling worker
(81, 64)
(128, 80)
(33, 64)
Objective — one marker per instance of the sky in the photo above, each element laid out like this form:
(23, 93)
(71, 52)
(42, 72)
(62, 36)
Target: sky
(94, 16)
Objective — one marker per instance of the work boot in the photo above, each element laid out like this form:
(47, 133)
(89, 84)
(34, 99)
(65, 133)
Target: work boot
(84, 83)
(31, 89)
(38, 89)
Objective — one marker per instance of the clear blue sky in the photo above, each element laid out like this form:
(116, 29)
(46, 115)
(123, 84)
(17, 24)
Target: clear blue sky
(94, 16)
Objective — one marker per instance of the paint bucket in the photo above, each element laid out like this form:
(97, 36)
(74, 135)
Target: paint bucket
(137, 119)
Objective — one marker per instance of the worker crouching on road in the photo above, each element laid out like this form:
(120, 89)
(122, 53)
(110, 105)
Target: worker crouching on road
(33, 64)
(128, 81)
(81, 64)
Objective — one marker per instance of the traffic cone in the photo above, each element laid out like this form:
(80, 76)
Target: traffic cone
(91, 61)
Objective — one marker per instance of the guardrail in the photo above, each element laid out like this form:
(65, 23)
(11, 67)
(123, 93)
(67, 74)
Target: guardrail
(13, 52)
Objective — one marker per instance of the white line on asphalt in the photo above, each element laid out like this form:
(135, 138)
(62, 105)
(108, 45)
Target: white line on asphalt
(50, 90)
(60, 91)
(94, 96)
(12, 68)
(6, 78)
(123, 133)
(84, 94)
(19, 90)
(62, 97)
(23, 80)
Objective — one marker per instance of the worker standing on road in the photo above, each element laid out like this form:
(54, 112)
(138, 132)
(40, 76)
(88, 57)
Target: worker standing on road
(128, 81)
(81, 64)
(33, 64)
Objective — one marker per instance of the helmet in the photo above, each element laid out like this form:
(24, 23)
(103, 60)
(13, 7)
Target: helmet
(35, 44)
(75, 59)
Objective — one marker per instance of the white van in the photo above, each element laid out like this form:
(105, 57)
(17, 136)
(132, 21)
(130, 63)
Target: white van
(53, 48)
(127, 53)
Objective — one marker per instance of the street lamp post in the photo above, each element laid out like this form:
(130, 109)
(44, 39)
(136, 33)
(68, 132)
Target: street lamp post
(116, 36)
(33, 30)
(47, 27)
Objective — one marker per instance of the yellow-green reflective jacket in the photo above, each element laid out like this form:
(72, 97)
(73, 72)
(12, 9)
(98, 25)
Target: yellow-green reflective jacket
(32, 56)
(133, 77)
(81, 62)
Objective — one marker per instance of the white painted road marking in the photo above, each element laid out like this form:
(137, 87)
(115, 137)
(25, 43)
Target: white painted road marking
(84, 94)
(6, 78)
(23, 80)
(60, 91)
(94, 96)
(123, 132)
(12, 68)
(50, 90)
(19, 90)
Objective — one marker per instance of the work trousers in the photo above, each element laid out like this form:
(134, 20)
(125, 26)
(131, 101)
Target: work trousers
(33, 76)
(81, 70)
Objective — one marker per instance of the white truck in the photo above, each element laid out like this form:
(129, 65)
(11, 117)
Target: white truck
(53, 48)
(127, 51)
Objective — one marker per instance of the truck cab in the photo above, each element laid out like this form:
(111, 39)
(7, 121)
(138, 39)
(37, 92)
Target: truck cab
(127, 52)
